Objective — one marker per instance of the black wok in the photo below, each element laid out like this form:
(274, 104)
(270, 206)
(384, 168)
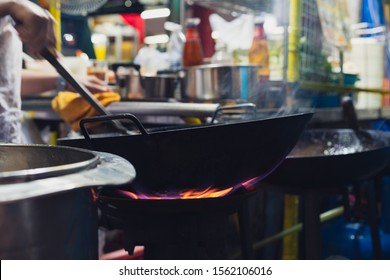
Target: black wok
(332, 158)
(222, 155)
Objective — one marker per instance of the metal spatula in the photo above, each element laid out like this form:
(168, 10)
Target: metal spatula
(84, 92)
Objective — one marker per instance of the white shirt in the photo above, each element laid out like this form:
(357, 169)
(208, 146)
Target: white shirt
(10, 79)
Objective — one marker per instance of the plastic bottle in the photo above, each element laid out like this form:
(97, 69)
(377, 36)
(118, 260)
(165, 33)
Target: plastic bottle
(221, 55)
(192, 52)
(259, 53)
(175, 44)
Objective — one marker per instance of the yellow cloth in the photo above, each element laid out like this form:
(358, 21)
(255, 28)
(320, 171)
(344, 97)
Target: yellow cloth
(72, 107)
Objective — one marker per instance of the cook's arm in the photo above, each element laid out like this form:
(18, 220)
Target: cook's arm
(34, 82)
(34, 24)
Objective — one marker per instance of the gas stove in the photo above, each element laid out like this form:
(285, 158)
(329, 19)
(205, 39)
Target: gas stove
(195, 228)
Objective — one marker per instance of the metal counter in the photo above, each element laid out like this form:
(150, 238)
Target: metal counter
(41, 109)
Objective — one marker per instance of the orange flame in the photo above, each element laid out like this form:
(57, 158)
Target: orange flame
(210, 192)
(250, 184)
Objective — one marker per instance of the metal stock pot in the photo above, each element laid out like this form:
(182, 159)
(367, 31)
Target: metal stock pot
(47, 208)
(222, 82)
(133, 85)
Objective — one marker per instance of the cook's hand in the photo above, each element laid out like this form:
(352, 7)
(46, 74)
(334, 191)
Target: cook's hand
(93, 84)
(34, 25)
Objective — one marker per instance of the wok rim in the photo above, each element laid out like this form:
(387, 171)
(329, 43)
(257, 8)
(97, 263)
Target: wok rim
(189, 128)
(384, 147)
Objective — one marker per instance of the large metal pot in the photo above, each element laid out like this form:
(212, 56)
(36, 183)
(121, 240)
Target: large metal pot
(222, 82)
(47, 208)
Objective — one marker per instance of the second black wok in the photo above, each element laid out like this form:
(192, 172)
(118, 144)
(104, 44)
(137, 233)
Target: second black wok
(332, 158)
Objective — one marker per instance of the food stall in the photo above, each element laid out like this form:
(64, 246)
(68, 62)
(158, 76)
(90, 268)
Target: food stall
(233, 115)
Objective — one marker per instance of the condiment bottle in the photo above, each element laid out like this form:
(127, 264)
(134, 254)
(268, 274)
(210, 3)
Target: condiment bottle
(259, 53)
(192, 52)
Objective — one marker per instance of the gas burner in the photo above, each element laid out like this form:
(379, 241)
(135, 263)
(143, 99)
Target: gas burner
(180, 228)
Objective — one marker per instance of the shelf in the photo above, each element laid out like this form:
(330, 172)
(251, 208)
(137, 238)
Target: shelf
(238, 6)
(336, 88)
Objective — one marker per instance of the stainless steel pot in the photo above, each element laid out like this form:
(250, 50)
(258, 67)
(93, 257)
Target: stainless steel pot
(47, 208)
(221, 82)
(133, 85)
(160, 87)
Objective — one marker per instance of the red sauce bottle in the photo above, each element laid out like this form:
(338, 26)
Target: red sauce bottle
(192, 52)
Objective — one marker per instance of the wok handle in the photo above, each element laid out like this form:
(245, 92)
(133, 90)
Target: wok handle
(349, 113)
(248, 106)
(127, 116)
